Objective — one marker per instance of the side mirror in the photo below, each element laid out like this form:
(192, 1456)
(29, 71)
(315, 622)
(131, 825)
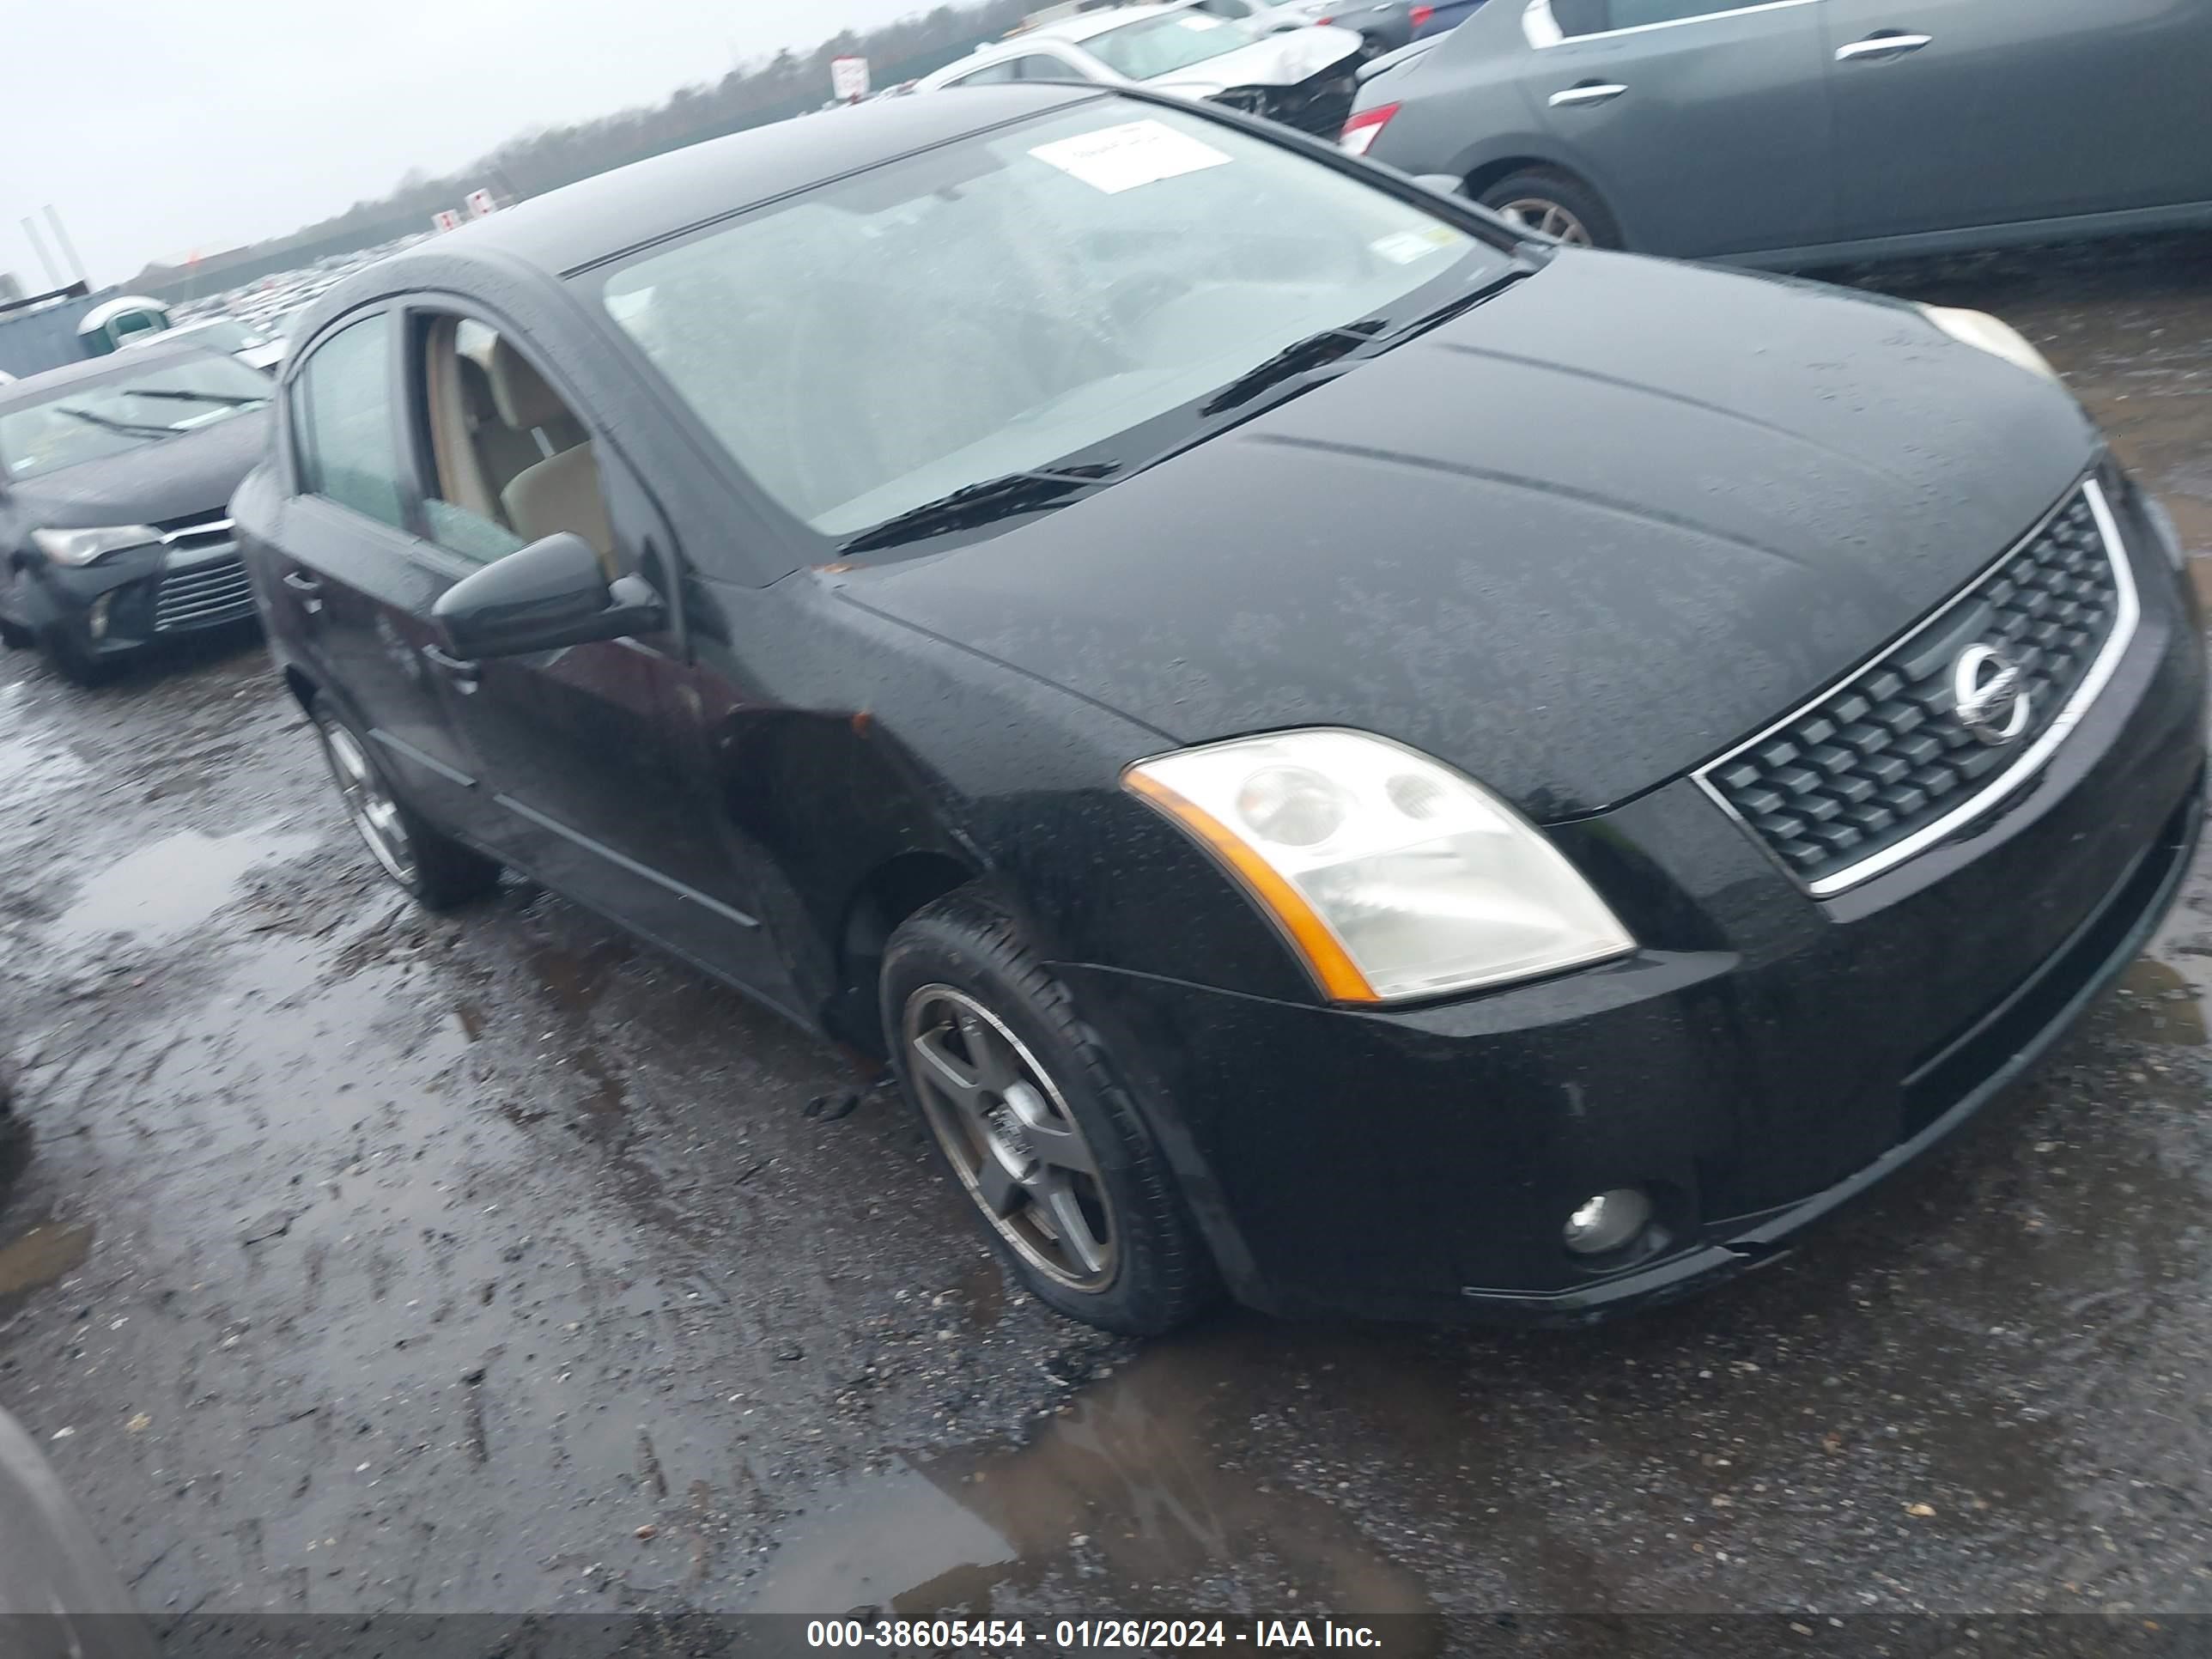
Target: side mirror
(542, 597)
(1444, 184)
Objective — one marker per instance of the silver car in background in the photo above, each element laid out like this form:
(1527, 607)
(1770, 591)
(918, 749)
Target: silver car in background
(229, 334)
(1300, 77)
(1810, 131)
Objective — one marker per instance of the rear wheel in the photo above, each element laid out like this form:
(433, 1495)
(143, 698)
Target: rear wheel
(440, 871)
(1558, 205)
(1026, 1109)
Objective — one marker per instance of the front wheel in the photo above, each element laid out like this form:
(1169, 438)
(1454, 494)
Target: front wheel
(1556, 204)
(76, 661)
(1026, 1108)
(439, 871)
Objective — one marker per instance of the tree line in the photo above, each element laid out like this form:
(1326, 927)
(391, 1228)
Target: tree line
(772, 90)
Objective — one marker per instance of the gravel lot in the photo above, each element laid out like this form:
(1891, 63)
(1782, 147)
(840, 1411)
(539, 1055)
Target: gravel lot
(373, 1262)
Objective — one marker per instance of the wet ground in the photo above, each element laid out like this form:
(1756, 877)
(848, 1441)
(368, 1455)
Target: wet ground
(371, 1261)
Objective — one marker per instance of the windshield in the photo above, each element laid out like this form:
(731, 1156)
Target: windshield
(94, 419)
(1006, 300)
(1153, 46)
(222, 335)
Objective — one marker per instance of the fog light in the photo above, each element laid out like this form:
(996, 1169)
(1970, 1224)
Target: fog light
(95, 622)
(1608, 1221)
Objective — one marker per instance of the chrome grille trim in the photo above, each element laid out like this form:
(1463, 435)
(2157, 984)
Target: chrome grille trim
(201, 594)
(205, 533)
(1996, 789)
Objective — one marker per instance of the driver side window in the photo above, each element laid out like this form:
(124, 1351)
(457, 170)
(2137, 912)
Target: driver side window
(512, 463)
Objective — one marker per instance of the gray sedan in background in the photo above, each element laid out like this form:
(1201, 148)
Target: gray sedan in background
(1809, 131)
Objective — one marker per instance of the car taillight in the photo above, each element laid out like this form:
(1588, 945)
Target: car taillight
(1361, 130)
(1422, 14)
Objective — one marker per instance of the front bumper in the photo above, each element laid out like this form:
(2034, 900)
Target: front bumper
(1765, 1057)
(137, 597)
(1317, 106)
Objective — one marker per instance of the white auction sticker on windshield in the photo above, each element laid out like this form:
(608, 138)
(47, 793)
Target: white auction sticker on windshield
(1118, 158)
(1408, 245)
(1199, 20)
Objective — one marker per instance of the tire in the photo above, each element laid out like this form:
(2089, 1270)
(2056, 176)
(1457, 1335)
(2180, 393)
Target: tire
(15, 635)
(957, 980)
(1525, 196)
(440, 871)
(75, 662)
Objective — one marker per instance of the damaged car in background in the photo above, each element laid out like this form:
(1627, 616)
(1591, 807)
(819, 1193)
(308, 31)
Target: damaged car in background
(1341, 748)
(1303, 76)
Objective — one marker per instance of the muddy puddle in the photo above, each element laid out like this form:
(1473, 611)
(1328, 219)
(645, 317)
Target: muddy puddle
(1127, 1489)
(43, 1254)
(174, 883)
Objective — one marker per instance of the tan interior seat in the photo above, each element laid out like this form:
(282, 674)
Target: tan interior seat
(561, 492)
(501, 451)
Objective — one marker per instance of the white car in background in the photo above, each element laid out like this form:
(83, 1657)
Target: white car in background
(1302, 77)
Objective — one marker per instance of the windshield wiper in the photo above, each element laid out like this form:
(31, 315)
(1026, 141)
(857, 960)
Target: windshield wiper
(128, 428)
(1458, 303)
(236, 399)
(984, 503)
(1316, 367)
(1298, 357)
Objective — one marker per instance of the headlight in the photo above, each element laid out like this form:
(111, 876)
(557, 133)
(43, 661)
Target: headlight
(1392, 876)
(1990, 334)
(90, 546)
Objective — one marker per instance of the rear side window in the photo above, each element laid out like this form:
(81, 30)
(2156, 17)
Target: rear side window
(342, 425)
(1035, 67)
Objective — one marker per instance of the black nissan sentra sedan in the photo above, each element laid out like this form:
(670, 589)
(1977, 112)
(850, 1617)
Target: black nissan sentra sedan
(1340, 749)
(114, 480)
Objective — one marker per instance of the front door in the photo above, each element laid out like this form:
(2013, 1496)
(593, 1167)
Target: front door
(1953, 114)
(1706, 127)
(360, 584)
(588, 766)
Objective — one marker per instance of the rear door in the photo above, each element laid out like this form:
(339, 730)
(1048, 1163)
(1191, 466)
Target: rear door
(1705, 127)
(1959, 113)
(590, 769)
(358, 583)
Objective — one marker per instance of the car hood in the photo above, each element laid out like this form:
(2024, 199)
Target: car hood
(1574, 543)
(1278, 60)
(170, 478)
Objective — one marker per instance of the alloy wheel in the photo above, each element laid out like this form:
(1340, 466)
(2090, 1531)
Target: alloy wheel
(374, 815)
(1012, 1140)
(1548, 218)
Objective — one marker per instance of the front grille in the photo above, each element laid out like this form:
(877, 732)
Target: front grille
(202, 595)
(1882, 765)
(189, 535)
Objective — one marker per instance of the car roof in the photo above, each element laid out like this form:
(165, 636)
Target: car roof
(33, 388)
(581, 224)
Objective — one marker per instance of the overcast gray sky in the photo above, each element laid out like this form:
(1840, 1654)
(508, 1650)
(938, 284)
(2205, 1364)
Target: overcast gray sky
(161, 126)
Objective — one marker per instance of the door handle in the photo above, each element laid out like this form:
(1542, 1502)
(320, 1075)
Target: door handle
(464, 674)
(307, 587)
(1880, 48)
(1589, 92)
